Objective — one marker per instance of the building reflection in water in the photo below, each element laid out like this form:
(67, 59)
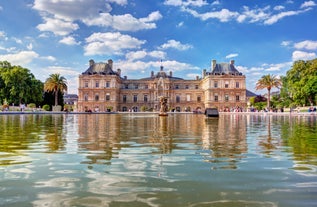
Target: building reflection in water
(224, 141)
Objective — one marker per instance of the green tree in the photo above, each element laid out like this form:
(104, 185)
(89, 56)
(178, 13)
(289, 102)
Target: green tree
(55, 83)
(268, 82)
(18, 84)
(301, 82)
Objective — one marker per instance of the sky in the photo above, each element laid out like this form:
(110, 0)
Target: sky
(61, 36)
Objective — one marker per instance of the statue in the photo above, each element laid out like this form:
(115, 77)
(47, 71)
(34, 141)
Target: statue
(164, 108)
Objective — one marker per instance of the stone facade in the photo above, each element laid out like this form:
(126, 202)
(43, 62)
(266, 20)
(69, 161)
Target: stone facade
(103, 89)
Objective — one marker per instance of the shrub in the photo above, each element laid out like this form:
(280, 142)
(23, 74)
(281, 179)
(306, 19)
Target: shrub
(32, 105)
(46, 107)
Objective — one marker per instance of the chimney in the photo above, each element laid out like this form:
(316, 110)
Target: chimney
(231, 62)
(204, 73)
(125, 77)
(110, 63)
(197, 77)
(91, 62)
(171, 73)
(152, 74)
(119, 71)
(214, 62)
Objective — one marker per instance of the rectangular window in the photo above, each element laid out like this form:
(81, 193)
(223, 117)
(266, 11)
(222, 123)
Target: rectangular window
(227, 84)
(226, 97)
(178, 99)
(186, 87)
(86, 84)
(97, 84)
(216, 98)
(198, 99)
(176, 87)
(108, 84)
(146, 87)
(124, 98)
(237, 85)
(188, 97)
(216, 84)
(86, 97)
(196, 86)
(126, 86)
(97, 97)
(145, 98)
(237, 98)
(107, 96)
(135, 98)
(136, 86)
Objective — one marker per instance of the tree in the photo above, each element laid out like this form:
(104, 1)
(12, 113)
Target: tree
(18, 84)
(55, 83)
(268, 82)
(302, 82)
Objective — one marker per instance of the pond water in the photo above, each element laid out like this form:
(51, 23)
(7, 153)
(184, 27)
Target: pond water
(147, 160)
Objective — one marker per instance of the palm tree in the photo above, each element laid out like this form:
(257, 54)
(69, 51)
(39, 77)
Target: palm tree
(55, 83)
(268, 82)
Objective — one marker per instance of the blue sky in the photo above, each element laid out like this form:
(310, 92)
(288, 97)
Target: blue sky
(61, 36)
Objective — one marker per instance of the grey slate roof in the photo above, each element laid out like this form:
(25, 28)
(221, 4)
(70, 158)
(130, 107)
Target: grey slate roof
(100, 68)
(225, 68)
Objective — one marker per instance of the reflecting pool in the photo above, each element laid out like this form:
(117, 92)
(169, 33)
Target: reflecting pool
(147, 160)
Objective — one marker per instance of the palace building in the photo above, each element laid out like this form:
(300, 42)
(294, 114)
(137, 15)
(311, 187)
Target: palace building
(101, 88)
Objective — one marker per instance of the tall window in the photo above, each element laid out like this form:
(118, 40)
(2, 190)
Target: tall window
(107, 96)
(198, 99)
(97, 84)
(227, 84)
(186, 86)
(86, 97)
(146, 86)
(145, 98)
(126, 86)
(216, 84)
(226, 97)
(196, 86)
(136, 86)
(188, 97)
(216, 97)
(237, 85)
(97, 97)
(124, 98)
(108, 84)
(237, 98)
(86, 84)
(178, 99)
(176, 86)
(135, 98)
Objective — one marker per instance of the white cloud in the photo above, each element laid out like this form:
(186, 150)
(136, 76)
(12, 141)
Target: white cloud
(29, 46)
(21, 58)
(70, 10)
(59, 16)
(308, 4)
(110, 43)
(232, 55)
(69, 41)
(57, 26)
(124, 22)
(307, 44)
(279, 7)
(176, 45)
(217, 2)
(196, 3)
(286, 43)
(136, 55)
(300, 55)
(223, 15)
(275, 18)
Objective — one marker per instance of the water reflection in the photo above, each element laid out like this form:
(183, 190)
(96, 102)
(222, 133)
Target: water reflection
(147, 160)
(224, 138)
